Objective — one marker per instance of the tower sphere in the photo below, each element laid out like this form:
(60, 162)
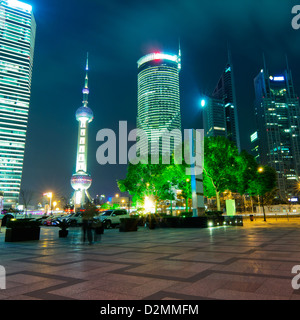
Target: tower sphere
(81, 181)
(84, 112)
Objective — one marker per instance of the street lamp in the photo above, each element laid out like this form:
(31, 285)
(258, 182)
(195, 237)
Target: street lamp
(261, 170)
(49, 195)
(187, 199)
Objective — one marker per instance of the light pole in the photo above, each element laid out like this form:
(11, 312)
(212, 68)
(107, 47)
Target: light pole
(187, 199)
(261, 170)
(49, 195)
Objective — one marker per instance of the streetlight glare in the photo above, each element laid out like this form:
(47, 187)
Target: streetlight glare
(203, 103)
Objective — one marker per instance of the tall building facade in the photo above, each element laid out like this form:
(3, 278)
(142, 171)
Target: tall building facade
(225, 92)
(159, 99)
(214, 119)
(17, 39)
(277, 140)
(81, 180)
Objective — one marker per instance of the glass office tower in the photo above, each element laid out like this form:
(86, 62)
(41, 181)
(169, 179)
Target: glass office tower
(214, 119)
(277, 139)
(225, 91)
(159, 99)
(17, 38)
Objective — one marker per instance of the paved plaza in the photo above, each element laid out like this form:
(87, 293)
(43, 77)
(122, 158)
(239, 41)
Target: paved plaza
(252, 262)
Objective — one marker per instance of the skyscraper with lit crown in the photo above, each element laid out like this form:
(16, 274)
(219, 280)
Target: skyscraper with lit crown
(276, 142)
(81, 180)
(225, 92)
(17, 39)
(158, 97)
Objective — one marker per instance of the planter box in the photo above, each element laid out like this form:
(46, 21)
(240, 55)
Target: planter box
(22, 234)
(63, 233)
(128, 224)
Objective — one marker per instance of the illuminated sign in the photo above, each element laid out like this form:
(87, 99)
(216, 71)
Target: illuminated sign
(254, 136)
(19, 5)
(157, 56)
(278, 78)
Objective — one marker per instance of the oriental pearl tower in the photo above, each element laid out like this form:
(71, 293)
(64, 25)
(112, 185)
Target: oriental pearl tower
(81, 180)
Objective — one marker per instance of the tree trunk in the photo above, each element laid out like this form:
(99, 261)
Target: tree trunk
(262, 202)
(218, 201)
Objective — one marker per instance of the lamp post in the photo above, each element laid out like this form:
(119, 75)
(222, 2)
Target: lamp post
(187, 199)
(49, 195)
(261, 170)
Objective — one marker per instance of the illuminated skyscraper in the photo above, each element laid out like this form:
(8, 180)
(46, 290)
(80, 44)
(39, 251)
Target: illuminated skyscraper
(277, 140)
(214, 120)
(17, 38)
(81, 180)
(158, 98)
(225, 91)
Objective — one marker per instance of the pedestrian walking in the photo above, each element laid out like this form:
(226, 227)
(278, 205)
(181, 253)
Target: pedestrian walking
(87, 227)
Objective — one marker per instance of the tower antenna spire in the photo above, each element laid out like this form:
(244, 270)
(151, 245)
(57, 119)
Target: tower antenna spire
(179, 54)
(85, 90)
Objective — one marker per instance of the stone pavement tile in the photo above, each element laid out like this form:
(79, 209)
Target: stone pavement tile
(102, 295)
(295, 296)
(212, 257)
(12, 284)
(26, 288)
(224, 294)
(139, 256)
(283, 248)
(127, 278)
(24, 278)
(277, 287)
(215, 281)
(201, 288)
(168, 249)
(3, 296)
(241, 286)
(233, 249)
(70, 290)
(252, 266)
(181, 271)
(286, 267)
(91, 273)
(22, 297)
(152, 287)
(272, 255)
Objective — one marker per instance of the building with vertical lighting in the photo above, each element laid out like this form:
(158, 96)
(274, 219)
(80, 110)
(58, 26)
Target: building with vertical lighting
(159, 99)
(214, 119)
(276, 141)
(81, 180)
(17, 39)
(225, 92)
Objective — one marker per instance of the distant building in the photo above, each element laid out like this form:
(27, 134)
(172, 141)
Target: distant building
(214, 119)
(158, 99)
(277, 139)
(225, 92)
(17, 39)
(81, 180)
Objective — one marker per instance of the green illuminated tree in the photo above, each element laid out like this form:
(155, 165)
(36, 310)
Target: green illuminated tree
(264, 181)
(155, 180)
(247, 170)
(220, 167)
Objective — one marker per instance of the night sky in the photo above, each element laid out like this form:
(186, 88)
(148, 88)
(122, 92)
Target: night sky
(116, 33)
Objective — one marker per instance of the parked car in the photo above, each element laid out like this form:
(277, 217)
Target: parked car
(111, 218)
(75, 219)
